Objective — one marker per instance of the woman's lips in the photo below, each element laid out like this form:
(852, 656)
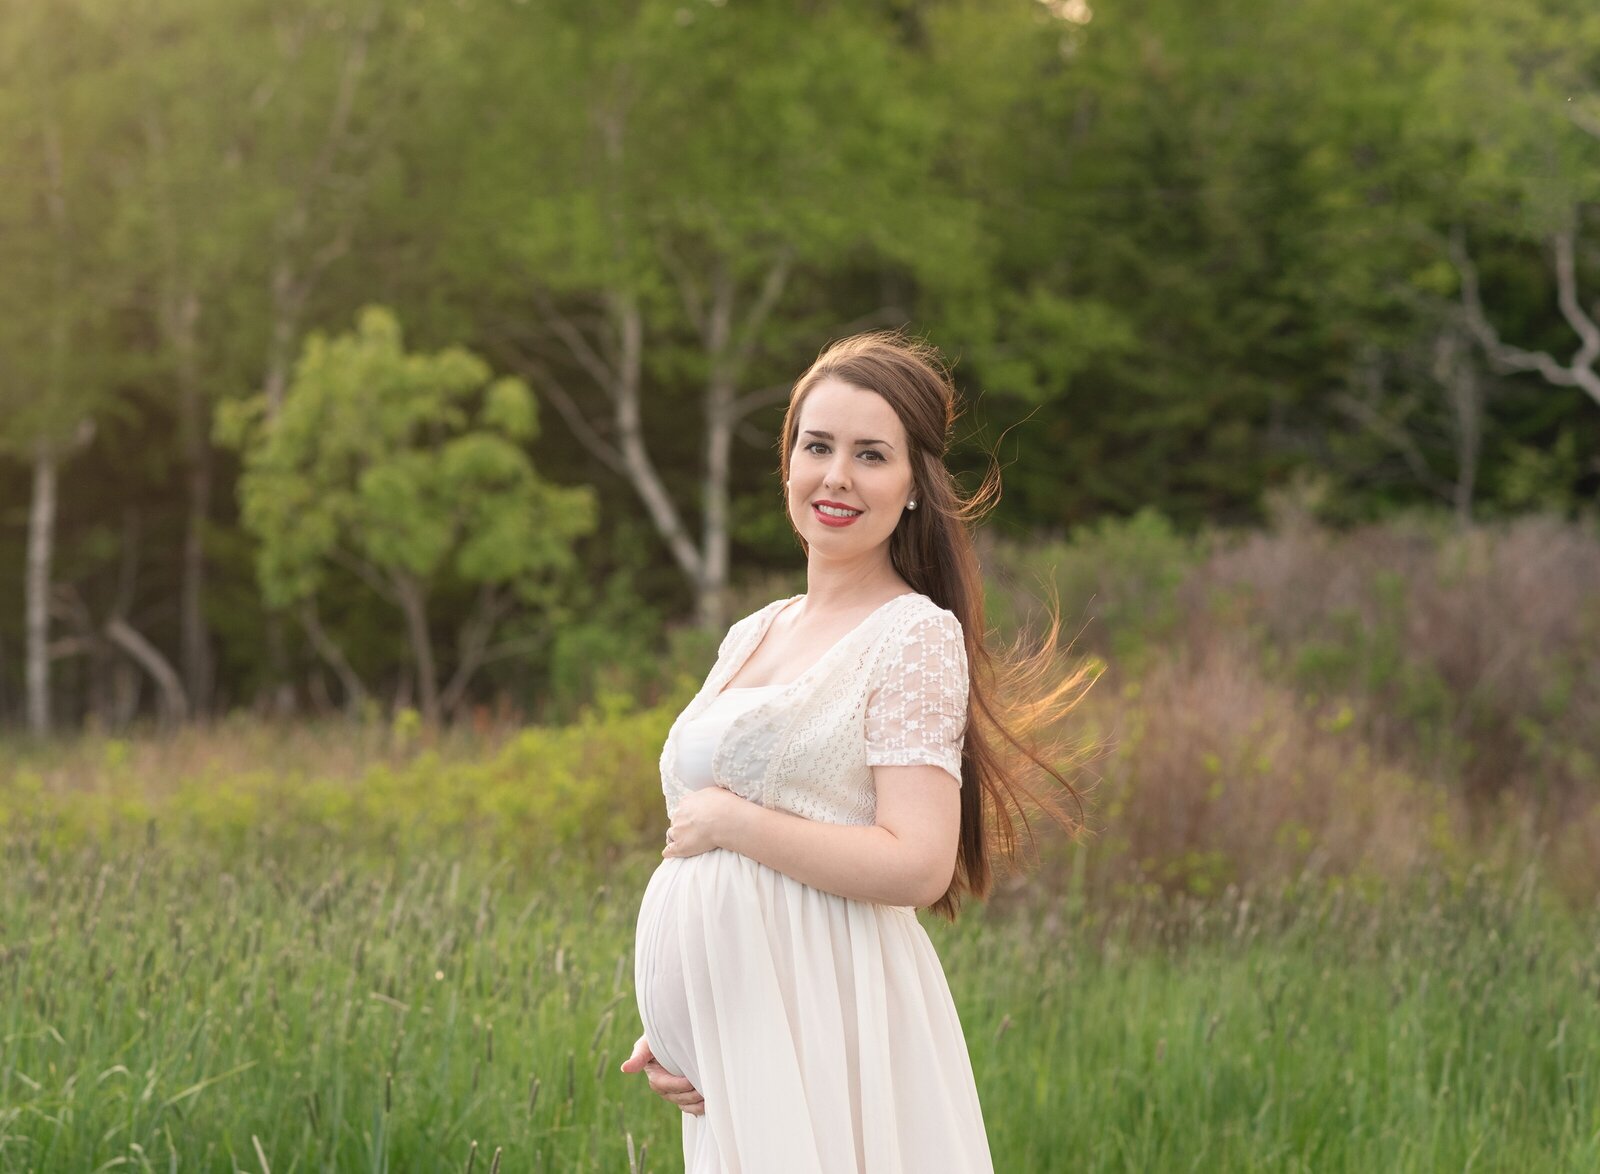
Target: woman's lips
(828, 520)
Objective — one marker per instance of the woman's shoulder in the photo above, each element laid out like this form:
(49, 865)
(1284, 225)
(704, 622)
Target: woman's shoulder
(921, 613)
(750, 623)
(926, 643)
(914, 630)
(755, 618)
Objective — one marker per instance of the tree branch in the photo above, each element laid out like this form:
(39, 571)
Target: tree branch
(694, 298)
(882, 318)
(367, 573)
(1365, 411)
(473, 640)
(1586, 116)
(355, 693)
(588, 358)
(1567, 297)
(509, 648)
(1580, 372)
(1396, 436)
(355, 63)
(174, 701)
(544, 380)
(772, 287)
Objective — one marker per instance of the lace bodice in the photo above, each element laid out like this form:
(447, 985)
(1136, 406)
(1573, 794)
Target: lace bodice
(697, 738)
(891, 692)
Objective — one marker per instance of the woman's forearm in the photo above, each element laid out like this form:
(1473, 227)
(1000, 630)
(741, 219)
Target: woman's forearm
(863, 863)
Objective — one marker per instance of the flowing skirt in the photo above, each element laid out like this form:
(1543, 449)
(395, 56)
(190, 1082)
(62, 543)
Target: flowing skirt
(820, 1030)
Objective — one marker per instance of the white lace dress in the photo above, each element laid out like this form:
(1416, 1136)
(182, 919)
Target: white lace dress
(820, 1030)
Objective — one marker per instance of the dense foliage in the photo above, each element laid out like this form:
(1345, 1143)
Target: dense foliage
(1205, 254)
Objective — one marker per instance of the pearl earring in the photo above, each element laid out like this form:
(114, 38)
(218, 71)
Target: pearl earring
(911, 505)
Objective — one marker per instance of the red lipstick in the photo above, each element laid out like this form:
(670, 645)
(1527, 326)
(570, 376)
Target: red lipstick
(830, 520)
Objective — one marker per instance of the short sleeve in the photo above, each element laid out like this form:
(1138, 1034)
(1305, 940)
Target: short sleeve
(917, 710)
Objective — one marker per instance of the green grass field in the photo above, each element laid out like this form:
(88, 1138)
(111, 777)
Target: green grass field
(166, 1009)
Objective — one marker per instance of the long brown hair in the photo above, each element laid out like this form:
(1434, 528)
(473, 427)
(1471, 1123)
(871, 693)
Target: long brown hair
(1013, 694)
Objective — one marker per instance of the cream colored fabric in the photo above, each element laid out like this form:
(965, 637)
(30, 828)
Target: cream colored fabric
(820, 1030)
(697, 739)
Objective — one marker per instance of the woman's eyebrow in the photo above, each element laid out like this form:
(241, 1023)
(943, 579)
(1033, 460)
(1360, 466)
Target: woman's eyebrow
(829, 436)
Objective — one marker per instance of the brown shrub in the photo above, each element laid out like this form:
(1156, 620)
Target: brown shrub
(1477, 651)
(1401, 695)
(1222, 776)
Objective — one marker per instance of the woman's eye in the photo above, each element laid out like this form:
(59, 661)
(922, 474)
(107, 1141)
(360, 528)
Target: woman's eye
(866, 452)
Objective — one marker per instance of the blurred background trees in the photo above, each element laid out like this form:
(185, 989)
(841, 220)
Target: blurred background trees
(1345, 251)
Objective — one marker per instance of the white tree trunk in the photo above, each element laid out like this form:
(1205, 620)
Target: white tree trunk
(616, 368)
(41, 538)
(721, 394)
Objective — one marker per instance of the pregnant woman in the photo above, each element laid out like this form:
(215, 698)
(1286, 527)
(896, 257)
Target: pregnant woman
(824, 783)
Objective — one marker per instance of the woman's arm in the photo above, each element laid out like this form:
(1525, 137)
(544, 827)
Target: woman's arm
(906, 858)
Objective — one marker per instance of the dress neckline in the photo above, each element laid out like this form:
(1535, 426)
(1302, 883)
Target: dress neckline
(766, 626)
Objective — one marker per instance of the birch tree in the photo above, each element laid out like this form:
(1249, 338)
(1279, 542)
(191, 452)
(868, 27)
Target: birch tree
(712, 163)
(234, 210)
(1528, 100)
(55, 370)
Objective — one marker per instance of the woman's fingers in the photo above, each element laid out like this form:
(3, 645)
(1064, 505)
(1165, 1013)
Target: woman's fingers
(664, 1084)
(642, 1055)
(676, 1089)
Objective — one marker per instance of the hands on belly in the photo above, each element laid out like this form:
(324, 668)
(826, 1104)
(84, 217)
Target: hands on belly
(676, 1089)
(704, 819)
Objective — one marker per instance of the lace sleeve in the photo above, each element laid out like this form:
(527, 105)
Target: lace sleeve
(917, 712)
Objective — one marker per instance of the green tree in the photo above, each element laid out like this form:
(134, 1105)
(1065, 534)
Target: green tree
(234, 211)
(1522, 87)
(58, 362)
(409, 471)
(703, 175)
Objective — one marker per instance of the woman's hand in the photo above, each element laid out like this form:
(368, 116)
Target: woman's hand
(704, 820)
(664, 1084)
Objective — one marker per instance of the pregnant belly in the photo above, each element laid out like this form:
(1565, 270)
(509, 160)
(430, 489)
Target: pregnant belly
(703, 948)
(729, 955)
(663, 968)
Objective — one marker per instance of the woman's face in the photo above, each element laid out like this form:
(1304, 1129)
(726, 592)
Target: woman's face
(851, 452)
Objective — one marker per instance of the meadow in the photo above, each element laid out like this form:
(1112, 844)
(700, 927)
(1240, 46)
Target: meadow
(166, 1010)
(1335, 911)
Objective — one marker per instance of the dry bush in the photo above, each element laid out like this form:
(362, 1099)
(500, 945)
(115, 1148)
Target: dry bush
(1221, 776)
(1467, 653)
(1394, 696)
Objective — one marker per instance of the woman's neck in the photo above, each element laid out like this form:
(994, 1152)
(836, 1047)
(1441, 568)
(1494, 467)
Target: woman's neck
(847, 588)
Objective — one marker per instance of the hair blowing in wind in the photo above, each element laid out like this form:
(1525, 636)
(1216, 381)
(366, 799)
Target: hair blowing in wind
(1015, 760)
